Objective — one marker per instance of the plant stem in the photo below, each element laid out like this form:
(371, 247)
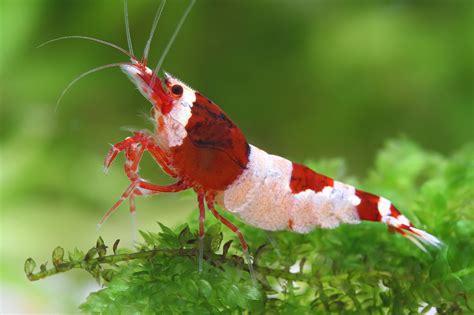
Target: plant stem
(215, 259)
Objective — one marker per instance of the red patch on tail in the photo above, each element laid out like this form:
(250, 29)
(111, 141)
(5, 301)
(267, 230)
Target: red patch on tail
(290, 224)
(303, 178)
(394, 212)
(368, 208)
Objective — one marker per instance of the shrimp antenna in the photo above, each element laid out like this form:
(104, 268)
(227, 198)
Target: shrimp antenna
(127, 26)
(152, 32)
(91, 39)
(173, 37)
(83, 75)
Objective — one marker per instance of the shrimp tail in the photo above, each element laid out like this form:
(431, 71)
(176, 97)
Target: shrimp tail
(377, 208)
(418, 237)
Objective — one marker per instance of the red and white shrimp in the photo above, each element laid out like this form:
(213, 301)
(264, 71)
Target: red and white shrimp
(196, 143)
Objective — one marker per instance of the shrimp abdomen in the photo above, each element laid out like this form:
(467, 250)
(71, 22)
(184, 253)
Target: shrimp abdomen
(274, 193)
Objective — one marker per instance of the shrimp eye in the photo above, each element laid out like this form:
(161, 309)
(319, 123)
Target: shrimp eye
(177, 90)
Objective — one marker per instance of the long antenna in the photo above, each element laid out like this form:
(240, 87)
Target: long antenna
(127, 26)
(83, 75)
(152, 32)
(173, 37)
(100, 41)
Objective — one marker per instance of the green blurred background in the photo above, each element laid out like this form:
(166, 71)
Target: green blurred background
(303, 79)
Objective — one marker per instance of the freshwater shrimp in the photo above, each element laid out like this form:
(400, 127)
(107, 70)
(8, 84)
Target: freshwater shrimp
(195, 142)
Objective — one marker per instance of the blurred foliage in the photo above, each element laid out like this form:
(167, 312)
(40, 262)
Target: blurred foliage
(357, 268)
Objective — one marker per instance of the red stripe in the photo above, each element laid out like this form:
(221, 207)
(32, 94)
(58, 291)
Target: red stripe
(290, 224)
(368, 207)
(303, 178)
(394, 212)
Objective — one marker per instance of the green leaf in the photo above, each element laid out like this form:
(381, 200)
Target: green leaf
(147, 237)
(440, 268)
(101, 248)
(100, 242)
(91, 253)
(185, 236)
(232, 295)
(253, 294)
(107, 274)
(214, 230)
(43, 267)
(166, 230)
(225, 248)
(385, 298)
(58, 256)
(205, 288)
(216, 242)
(114, 247)
(30, 266)
(76, 255)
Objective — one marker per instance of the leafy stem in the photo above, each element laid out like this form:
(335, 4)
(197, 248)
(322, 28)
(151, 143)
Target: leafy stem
(110, 260)
(96, 259)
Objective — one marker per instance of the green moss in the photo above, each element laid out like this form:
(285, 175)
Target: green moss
(352, 269)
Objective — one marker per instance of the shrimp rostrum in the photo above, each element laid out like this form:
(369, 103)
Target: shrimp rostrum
(198, 144)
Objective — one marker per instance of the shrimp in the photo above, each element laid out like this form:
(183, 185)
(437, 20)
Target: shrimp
(195, 142)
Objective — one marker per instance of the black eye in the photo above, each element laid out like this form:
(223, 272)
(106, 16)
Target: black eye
(177, 89)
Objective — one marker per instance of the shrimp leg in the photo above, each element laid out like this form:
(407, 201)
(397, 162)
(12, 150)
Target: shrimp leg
(147, 141)
(134, 148)
(202, 217)
(236, 230)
